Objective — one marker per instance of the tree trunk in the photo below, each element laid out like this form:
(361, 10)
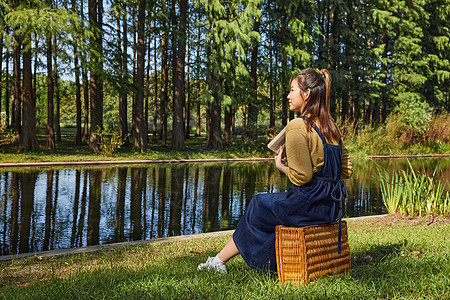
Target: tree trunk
(1, 75)
(178, 82)
(58, 98)
(7, 91)
(96, 101)
(50, 109)
(28, 137)
(138, 127)
(208, 122)
(123, 119)
(16, 85)
(252, 104)
(84, 79)
(86, 103)
(198, 130)
(147, 80)
(187, 115)
(215, 141)
(271, 81)
(155, 104)
(284, 114)
(164, 79)
(228, 130)
(78, 141)
(244, 119)
(198, 113)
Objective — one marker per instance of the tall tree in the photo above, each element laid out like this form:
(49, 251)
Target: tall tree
(16, 83)
(164, 74)
(57, 94)
(95, 93)
(50, 108)
(7, 89)
(253, 100)
(28, 140)
(84, 78)
(155, 93)
(1, 69)
(123, 119)
(230, 32)
(78, 135)
(179, 81)
(139, 128)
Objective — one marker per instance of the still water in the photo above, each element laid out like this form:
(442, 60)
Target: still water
(44, 209)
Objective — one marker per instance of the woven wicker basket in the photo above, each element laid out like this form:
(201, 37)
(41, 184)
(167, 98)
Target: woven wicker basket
(304, 253)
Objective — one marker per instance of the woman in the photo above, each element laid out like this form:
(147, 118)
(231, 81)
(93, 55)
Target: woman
(317, 162)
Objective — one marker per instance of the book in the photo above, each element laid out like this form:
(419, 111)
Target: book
(278, 141)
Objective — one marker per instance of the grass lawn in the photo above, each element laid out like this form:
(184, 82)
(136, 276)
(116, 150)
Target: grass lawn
(392, 258)
(66, 151)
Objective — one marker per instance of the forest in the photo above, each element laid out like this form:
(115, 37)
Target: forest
(150, 69)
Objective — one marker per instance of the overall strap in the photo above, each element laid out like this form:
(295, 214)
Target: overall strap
(316, 129)
(338, 194)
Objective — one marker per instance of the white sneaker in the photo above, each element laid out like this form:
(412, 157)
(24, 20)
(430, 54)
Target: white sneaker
(210, 265)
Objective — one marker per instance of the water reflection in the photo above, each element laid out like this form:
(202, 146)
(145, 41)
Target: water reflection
(67, 208)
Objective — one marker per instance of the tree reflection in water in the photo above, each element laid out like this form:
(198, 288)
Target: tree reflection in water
(67, 208)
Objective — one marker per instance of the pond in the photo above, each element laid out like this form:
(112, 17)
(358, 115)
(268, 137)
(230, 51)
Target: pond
(44, 209)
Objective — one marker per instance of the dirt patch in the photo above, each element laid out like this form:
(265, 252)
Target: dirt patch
(391, 219)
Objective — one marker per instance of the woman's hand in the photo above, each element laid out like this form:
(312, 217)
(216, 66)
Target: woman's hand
(280, 161)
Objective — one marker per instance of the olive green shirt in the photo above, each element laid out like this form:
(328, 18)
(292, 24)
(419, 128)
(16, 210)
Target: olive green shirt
(304, 152)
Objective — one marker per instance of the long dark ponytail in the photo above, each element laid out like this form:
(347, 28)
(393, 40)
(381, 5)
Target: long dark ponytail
(318, 105)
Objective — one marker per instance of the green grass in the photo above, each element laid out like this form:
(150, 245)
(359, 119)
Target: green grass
(390, 138)
(394, 261)
(195, 149)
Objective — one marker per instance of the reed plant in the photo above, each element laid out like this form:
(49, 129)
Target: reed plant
(414, 193)
(394, 136)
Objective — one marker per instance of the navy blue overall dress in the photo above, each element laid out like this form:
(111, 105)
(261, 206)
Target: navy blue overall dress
(316, 202)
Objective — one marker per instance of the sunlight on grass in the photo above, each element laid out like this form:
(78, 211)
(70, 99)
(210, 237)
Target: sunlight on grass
(396, 261)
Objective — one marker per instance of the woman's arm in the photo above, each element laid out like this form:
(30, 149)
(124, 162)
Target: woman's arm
(347, 168)
(299, 169)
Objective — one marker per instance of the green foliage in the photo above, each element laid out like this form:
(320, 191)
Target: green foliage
(41, 19)
(414, 114)
(413, 193)
(6, 136)
(109, 142)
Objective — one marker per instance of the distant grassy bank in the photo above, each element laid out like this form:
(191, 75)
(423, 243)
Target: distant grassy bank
(391, 138)
(393, 260)
(66, 151)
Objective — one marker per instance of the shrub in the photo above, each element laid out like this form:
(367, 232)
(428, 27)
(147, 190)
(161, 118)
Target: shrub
(414, 115)
(109, 142)
(6, 136)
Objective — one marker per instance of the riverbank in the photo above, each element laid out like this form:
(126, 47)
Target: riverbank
(390, 259)
(66, 153)
(104, 161)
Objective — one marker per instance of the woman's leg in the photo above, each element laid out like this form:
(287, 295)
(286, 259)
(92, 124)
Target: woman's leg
(229, 251)
(217, 263)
